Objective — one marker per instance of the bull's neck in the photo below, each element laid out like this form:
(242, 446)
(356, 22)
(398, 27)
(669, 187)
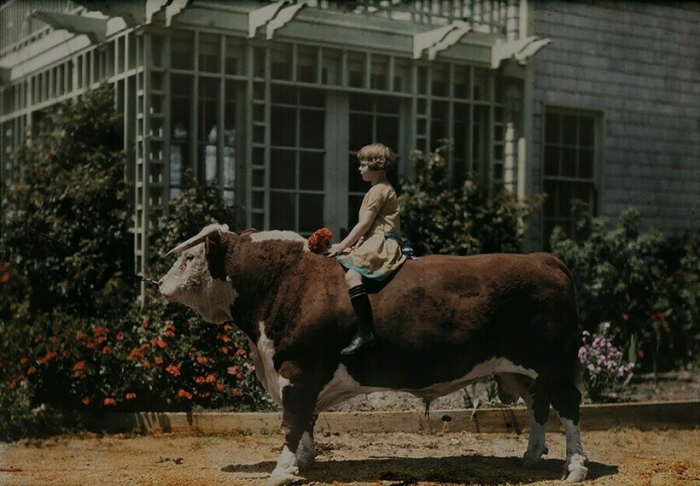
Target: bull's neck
(260, 276)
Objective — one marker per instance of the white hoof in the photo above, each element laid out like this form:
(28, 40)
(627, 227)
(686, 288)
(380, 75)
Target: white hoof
(280, 478)
(306, 453)
(574, 469)
(286, 470)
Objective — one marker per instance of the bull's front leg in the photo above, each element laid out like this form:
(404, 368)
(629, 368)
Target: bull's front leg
(298, 403)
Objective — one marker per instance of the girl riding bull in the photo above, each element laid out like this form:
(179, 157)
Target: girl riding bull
(372, 249)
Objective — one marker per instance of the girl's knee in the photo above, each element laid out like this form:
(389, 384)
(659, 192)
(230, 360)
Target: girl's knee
(352, 278)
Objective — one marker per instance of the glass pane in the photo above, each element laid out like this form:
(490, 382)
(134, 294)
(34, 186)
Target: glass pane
(551, 126)
(283, 170)
(312, 97)
(564, 198)
(210, 164)
(182, 48)
(568, 130)
(258, 156)
(586, 131)
(550, 202)
(311, 170)
(439, 80)
(229, 167)
(360, 131)
(310, 212)
(378, 77)
(354, 204)
(332, 61)
(177, 164)
(355, 182)
(585, 163)
(284, 126)
(311, 128)
(387, 104)
(282, 210)
(360, 102)
(259, 62)
(281, 62)
(234, 56)
(209, 53)
(480, 85)
(285, 95)
(306, 64)
(388, 131)
(551, 161)
(568, 162)
(356, 69)
(461, 82)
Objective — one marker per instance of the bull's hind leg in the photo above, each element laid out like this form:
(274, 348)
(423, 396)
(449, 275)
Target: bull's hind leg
(566, 400)
(298, 402)
(538, 411)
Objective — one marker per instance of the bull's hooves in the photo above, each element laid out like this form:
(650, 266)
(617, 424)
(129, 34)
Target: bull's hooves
(282, 478)
(304, 464)
(577, 475)
(531, 463)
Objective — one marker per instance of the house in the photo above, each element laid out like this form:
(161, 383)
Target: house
(270, 100)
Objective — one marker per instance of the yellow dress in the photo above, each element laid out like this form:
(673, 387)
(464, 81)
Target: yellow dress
(376, 255)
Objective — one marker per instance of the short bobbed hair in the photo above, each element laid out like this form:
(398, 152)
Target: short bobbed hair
(378, 157)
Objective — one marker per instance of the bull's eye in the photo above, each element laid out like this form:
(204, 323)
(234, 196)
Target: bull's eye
(189, 258)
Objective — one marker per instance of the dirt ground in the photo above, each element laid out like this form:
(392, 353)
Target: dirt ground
(616, 457)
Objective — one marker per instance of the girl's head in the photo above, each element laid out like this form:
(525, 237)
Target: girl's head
(377, 156)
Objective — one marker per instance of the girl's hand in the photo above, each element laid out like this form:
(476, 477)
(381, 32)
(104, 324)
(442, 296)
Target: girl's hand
(335, 250)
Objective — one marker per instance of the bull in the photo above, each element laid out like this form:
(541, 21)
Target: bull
(441, 322)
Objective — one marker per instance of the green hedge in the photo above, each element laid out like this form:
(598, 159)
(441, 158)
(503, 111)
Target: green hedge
(645, 286)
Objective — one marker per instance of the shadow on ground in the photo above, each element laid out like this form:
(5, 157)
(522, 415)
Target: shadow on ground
(486, 470)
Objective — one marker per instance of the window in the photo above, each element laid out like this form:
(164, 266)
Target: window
(372, 119)
(569, 166)
(297, 137)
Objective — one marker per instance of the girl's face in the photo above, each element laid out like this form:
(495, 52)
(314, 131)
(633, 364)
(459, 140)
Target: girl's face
(365, 171)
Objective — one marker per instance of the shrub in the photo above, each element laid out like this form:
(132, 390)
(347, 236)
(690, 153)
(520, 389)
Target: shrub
(463, 220)
(72, 337)
(623, 276)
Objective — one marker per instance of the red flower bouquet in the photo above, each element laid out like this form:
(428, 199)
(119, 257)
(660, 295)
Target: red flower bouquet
(320, 241)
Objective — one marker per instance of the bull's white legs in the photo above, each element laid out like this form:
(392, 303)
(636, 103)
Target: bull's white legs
(286, 469)
(306, 453)
(574, 468)
(536, 447)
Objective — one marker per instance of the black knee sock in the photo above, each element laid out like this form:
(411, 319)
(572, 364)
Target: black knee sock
(363, 309)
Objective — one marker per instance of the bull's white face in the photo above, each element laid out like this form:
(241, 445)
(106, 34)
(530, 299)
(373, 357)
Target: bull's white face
(189, 282)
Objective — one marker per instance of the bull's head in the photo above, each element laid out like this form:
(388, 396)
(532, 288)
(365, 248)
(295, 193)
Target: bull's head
(198, 277)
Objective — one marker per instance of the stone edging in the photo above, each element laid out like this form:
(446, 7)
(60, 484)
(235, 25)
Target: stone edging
(644, 416)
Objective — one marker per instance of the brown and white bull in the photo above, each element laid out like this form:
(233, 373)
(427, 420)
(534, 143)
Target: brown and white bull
(441, 322)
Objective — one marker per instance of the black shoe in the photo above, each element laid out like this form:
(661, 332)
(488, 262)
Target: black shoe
(358, 343)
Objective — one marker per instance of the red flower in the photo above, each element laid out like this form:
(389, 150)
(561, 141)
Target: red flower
(79, 369)
(202, 360)
(183, 394)
(106, 350)
(240, 352)
(109, 401)
(158, 342)
(135, 354)
(224, 350)
(158, 360)
(48, 357)
(237, 393)
(23, 361)
(173, 369)
(211, 378)
(320, 241)
(130, 396)
(144, 324)
(85, 400)
(199, 380)
(120, 336)
(31, 371)
(80, 336)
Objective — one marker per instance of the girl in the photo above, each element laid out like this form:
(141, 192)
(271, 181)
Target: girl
(372, 249)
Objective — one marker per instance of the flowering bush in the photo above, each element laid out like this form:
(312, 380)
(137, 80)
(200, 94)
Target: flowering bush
(72, 336)
(603, 365)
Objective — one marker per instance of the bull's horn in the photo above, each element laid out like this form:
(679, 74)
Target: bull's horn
(196, 240)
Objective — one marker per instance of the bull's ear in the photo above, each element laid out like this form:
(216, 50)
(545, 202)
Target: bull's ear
(249, 231)
(216, 256)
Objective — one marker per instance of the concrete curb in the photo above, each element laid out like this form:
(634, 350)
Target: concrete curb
(643, 416)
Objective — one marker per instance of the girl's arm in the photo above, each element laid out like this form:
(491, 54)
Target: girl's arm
(362, 227)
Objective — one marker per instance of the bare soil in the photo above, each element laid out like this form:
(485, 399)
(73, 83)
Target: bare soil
(616, 457)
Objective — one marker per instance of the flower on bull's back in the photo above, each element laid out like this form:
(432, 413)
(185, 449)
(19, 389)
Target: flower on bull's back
(320, 241)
